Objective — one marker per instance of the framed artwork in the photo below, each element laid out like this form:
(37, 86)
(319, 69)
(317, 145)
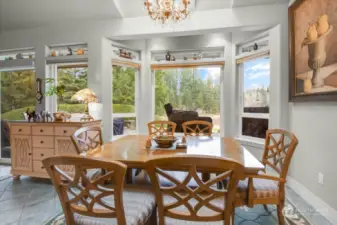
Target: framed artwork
(313, 50)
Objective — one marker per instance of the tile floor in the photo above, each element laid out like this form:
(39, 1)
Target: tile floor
(31, 201)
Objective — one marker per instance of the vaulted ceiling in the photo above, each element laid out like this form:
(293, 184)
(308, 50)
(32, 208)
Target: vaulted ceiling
(19, 14)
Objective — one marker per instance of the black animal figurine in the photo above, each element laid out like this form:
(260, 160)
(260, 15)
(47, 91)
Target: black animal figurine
(70, 51)
(168, 56)
(31, 115)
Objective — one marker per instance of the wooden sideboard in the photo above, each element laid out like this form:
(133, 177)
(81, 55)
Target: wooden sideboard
(32, 142)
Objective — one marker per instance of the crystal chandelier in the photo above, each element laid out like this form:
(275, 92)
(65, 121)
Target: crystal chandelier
(165, 10)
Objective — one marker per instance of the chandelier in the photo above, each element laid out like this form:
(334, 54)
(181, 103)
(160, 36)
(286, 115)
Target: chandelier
(165, 10)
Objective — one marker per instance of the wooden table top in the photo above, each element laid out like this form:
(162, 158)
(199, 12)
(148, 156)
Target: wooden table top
(131, 151)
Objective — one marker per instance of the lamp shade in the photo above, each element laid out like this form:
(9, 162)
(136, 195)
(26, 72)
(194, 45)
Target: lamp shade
(85, 95)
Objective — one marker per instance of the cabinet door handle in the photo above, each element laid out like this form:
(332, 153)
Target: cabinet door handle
(41, 130)
(41, 142)
(29, 153)
(20, 130)
(42, 155)
(64, 131)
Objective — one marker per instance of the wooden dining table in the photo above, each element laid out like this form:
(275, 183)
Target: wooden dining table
(131, 151)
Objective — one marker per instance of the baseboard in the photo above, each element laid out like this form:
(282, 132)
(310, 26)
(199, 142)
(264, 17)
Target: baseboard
(318, 204)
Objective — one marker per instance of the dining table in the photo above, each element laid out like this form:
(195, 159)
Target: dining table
(132, 151)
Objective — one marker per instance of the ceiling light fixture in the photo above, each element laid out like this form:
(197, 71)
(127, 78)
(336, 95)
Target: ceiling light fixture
(165, 10)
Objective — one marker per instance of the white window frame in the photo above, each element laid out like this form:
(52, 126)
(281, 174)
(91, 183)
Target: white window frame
(242, 114)
(136, 113)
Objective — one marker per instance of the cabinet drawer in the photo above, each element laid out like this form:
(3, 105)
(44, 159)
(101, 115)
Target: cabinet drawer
(42, 153)
(65, 131)
(20, 129)
(43, 130)
(43, 141)
(38, 167)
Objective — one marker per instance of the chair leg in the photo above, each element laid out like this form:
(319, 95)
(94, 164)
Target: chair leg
(233, 216)
(266, 208)
(280, 213)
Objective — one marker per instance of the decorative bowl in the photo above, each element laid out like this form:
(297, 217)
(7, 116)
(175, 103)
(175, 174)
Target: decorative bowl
(165, 141)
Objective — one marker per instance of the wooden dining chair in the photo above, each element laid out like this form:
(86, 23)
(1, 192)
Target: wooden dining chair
(87, 202)
(87, 138)
(270, 189)
(178, 202)
(197, 128)
(161, 128)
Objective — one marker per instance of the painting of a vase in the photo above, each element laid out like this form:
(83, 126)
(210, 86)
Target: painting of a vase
(313, 52)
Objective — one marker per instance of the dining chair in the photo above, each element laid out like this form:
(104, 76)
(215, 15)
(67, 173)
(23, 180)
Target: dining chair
(87, 138)
(87, 202)
(161, 128)
(179, 203)
(265, 188)
(197, 128)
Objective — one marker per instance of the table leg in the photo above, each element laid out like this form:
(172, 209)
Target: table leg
(129, 176)
(205, 177)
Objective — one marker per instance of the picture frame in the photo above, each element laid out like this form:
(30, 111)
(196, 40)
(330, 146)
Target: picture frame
(312, 57)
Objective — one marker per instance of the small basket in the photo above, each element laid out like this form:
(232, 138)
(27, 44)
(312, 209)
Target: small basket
(165, 141)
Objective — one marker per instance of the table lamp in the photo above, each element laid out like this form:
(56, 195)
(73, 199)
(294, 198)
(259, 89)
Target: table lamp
(86, 96)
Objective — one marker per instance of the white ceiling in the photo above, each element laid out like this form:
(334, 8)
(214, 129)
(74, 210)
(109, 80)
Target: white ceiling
(20, 14)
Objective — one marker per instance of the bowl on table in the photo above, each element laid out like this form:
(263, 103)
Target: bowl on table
(165, 141)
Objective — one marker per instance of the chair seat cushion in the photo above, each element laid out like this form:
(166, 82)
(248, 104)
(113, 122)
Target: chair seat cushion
(170, 221)
(263, 188)
(138, 207)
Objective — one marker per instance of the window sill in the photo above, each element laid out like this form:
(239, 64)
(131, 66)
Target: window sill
(253, 142)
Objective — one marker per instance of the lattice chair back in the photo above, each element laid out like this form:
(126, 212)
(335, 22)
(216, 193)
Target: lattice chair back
(197, 128)
(80, 195)
(278, 151)
(161, 128)
(87, 138)
(201, 201)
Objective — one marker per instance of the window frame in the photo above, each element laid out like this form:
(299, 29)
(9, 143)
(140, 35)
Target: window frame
(242, 114)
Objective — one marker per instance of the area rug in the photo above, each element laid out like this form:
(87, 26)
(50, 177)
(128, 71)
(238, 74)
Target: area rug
(243, 216)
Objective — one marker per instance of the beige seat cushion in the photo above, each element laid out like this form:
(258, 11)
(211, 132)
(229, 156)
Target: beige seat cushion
(138, 206)
(263, 188)
(170, 221)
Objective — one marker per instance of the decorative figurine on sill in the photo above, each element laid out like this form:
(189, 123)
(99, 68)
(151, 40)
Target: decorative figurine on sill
(185, 58)
(6, 58)
(173, 58)
(195, 57)
(19, 56)
(45, 116)
(70, 51)
(168, 56)
(53, 53)
(80, 51)
(10, 58)
(31, 115)
(30, 56)
(199, 56)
